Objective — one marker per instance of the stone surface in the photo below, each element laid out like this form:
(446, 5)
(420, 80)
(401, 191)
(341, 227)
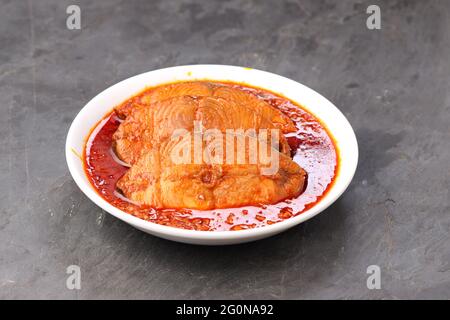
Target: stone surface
(393, 85)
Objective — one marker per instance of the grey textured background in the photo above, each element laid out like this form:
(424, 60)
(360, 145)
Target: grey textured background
(392, 84)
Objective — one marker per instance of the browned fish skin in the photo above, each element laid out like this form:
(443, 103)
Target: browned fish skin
(174, 90)
(143, 141)
(191, 89)
(149, 125)
(263, 109)
(205, 89)
(156, 181)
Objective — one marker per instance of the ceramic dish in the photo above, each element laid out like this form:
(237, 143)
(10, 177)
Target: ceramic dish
(313, 102)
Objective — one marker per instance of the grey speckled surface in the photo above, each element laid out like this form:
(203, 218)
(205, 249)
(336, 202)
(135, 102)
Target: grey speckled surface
(392, 84)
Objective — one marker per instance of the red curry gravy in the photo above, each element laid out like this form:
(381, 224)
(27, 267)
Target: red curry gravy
(312, 148)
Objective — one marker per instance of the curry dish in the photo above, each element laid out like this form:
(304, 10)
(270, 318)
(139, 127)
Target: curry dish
(209, 155)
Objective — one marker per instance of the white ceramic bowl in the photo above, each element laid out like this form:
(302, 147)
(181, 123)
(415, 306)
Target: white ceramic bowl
(319, 106)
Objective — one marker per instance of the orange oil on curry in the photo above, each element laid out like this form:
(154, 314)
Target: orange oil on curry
(312, 148)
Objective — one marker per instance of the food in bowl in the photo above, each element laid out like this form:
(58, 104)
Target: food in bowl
(212, 156)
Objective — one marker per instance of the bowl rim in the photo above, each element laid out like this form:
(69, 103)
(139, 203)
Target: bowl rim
(196, 234)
